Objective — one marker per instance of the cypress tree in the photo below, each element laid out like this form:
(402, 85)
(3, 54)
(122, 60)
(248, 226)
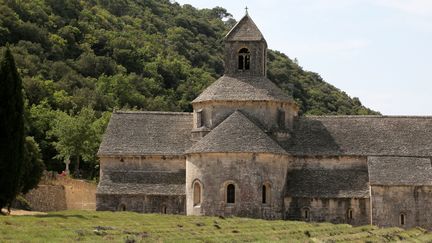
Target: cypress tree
(11, 130)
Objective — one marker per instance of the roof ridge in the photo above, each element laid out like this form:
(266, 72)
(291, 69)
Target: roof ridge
(366, 116)
(154, 112)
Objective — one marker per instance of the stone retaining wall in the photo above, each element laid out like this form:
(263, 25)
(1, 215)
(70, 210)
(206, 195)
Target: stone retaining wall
(62, 193)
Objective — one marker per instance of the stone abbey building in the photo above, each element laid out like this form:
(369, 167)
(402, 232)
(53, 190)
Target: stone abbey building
(244, 151)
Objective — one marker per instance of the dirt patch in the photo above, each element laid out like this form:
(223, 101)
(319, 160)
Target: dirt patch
(17, 212)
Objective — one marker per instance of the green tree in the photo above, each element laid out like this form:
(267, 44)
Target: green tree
(40, 119)
(78, 137)
(33, 165)
(11, 130)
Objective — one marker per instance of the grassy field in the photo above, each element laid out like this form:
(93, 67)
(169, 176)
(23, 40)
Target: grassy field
(72, 226)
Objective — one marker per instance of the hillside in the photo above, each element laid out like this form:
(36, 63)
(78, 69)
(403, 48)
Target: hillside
(95, 56)
(85, 226)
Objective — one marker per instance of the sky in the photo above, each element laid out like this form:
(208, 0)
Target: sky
(377, 50)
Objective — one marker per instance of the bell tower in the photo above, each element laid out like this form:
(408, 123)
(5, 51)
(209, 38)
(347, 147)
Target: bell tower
(245, 50)
(244, 87)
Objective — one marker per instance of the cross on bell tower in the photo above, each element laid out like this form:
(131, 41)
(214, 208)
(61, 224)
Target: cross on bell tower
(245, 49)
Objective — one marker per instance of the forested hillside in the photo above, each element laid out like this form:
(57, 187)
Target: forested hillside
(79, 60)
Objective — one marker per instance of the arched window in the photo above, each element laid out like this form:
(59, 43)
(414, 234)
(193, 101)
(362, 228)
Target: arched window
(122, 207)
(266, 190)
(281, 118)
(305, 213)
(164, 209)
(402, 219)
(349, 214)
(196, 194)
(230, 193)
(244, 59)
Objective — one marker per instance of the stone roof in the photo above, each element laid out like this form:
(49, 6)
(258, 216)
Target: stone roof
(402, 171)
(245, 30)
(328, 183)
(106, 187)
(236, 134)
(361, 135)
(242, 88)
(147, 133)
(142, 183)
(147, 177)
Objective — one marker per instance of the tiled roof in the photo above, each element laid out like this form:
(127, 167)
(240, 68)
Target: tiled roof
(142, 183)
(245, 30)
(409, 171)
(242, 88)
(361, 135)
(236, 134)
(328, 183)
(147, 133)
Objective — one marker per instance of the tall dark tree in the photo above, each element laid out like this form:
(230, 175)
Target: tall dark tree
(11, 130)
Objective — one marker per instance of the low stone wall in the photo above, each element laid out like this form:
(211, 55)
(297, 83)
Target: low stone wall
(47, 198)
(62, 193)
(334, 210)
(165, 204)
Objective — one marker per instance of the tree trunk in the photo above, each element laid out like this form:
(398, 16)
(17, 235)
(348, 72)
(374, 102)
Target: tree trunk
(77, 166)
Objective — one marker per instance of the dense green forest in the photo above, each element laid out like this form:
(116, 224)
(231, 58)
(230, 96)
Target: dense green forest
(80, 60)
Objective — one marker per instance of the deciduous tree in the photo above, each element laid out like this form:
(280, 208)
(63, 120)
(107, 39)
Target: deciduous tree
(78, 136)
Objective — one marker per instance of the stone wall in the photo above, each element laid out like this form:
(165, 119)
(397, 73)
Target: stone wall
(142, 163)
(79, 193)
(389, 202)
(333, 210)
(258, 57)
(142, 203)
(62, 193)
(147, 184)
(47, 198)
(335, 206)
(248, 172)
(266, 112)
(329, 162)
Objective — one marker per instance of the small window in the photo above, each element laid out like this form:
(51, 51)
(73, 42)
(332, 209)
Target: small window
(305, 213)
(197, 194)
(122, 207)
(281, 119)
(230, 193)
(244, 59)
(199, 122)
(266, 193)
(349, 214)
(402, 219)
(240, 62)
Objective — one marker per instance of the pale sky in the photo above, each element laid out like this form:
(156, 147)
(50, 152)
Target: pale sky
(377, 50)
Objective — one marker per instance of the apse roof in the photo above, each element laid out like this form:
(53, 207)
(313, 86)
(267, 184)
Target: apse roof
(236, 134)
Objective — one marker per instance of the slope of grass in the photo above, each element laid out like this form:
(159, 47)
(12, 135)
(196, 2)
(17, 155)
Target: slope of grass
(85, 226)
